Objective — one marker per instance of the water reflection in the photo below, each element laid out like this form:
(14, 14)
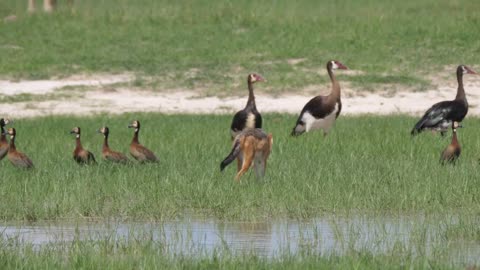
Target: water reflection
(416, 235)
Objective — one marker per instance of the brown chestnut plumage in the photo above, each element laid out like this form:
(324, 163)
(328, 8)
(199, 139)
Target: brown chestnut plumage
(80, 155)
(138, 151)
(109, 154)
(17, 158)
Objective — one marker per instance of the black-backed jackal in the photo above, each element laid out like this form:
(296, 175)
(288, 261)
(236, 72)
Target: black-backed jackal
(252, 144)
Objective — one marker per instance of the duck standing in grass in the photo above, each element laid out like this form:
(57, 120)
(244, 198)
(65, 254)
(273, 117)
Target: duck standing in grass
(138, 151)
(80, 155)
(440, 116)
(107, 153)
(249, 117)
(451, 153)
(17, 158)
(3, 138)
(321, 112)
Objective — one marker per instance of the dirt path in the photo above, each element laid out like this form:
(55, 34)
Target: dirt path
(120, 99)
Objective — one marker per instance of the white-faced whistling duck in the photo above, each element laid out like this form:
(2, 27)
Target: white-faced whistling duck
(18, 159)
(3, 138)
(440, 116)
(249, 117)
(321, 111)
(138, 151)
(80, 155)
(451, 153)
(107, 153)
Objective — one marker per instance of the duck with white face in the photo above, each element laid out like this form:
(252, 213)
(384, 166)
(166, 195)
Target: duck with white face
(107, 153)
(452, 152)
(17, 158)
(321, 112)
(3, 137)
(81, 155)
(137, 150)
(249, 117)
(440, 116)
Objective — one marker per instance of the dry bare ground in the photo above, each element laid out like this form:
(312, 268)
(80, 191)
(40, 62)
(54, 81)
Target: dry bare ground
(105, 94)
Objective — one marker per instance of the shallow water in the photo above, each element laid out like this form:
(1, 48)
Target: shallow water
(409, 235)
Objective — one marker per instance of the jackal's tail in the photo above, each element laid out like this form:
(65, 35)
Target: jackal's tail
(232, 156)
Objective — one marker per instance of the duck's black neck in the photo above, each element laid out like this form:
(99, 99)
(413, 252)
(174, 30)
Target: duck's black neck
(135, 136)
(335, 94)
(105, 142)
(454, 137)
(12, 144)
(251, 96)
(77, 141)
(3, 137)
(460, 89)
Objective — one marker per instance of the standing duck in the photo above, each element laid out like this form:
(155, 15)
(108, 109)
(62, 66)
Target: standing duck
(80, 155)
(321, 111)
(138, 151)
(18, 159)
(440, 116)
(249, 117)
(451, 153)
(109, 154)
(3, 138)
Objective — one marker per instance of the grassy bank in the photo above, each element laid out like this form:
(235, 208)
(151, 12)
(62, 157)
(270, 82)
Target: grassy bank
(214, 44)
(366, 164)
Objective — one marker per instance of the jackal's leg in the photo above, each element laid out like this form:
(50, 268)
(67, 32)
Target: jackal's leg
(239, 161)
(49, 5)
(259, 166)
(248, 156)
(31, 6)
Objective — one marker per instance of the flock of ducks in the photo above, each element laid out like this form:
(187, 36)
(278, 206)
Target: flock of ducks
(320, 113)
(80, 155)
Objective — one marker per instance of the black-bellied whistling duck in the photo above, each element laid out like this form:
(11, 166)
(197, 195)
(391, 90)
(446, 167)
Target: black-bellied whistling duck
(451, 153)
(109, 154)
(249, 117)
(440, 116)
(321, 111)
(138, 151)
(80, 155)
(3, 138)
(18, 159)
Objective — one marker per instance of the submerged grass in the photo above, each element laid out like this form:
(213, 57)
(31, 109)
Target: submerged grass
(214, 44)
(367, 164)
(147, 254)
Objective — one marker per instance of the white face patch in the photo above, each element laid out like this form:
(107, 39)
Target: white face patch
(78, 136)
(253, 78)
(334, 65)
(464, 70)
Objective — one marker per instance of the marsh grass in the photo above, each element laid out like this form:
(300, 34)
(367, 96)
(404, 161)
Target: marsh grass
(222, 41)
(367, 164)
(144, 253)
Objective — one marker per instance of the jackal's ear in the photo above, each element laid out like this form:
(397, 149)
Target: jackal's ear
(270, 138)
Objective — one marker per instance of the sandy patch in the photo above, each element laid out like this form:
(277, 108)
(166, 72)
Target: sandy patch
(97, 100)
(47, 86)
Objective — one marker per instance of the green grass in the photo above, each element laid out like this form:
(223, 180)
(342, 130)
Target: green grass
(212, 45)
(367, 164)
(148, 254)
